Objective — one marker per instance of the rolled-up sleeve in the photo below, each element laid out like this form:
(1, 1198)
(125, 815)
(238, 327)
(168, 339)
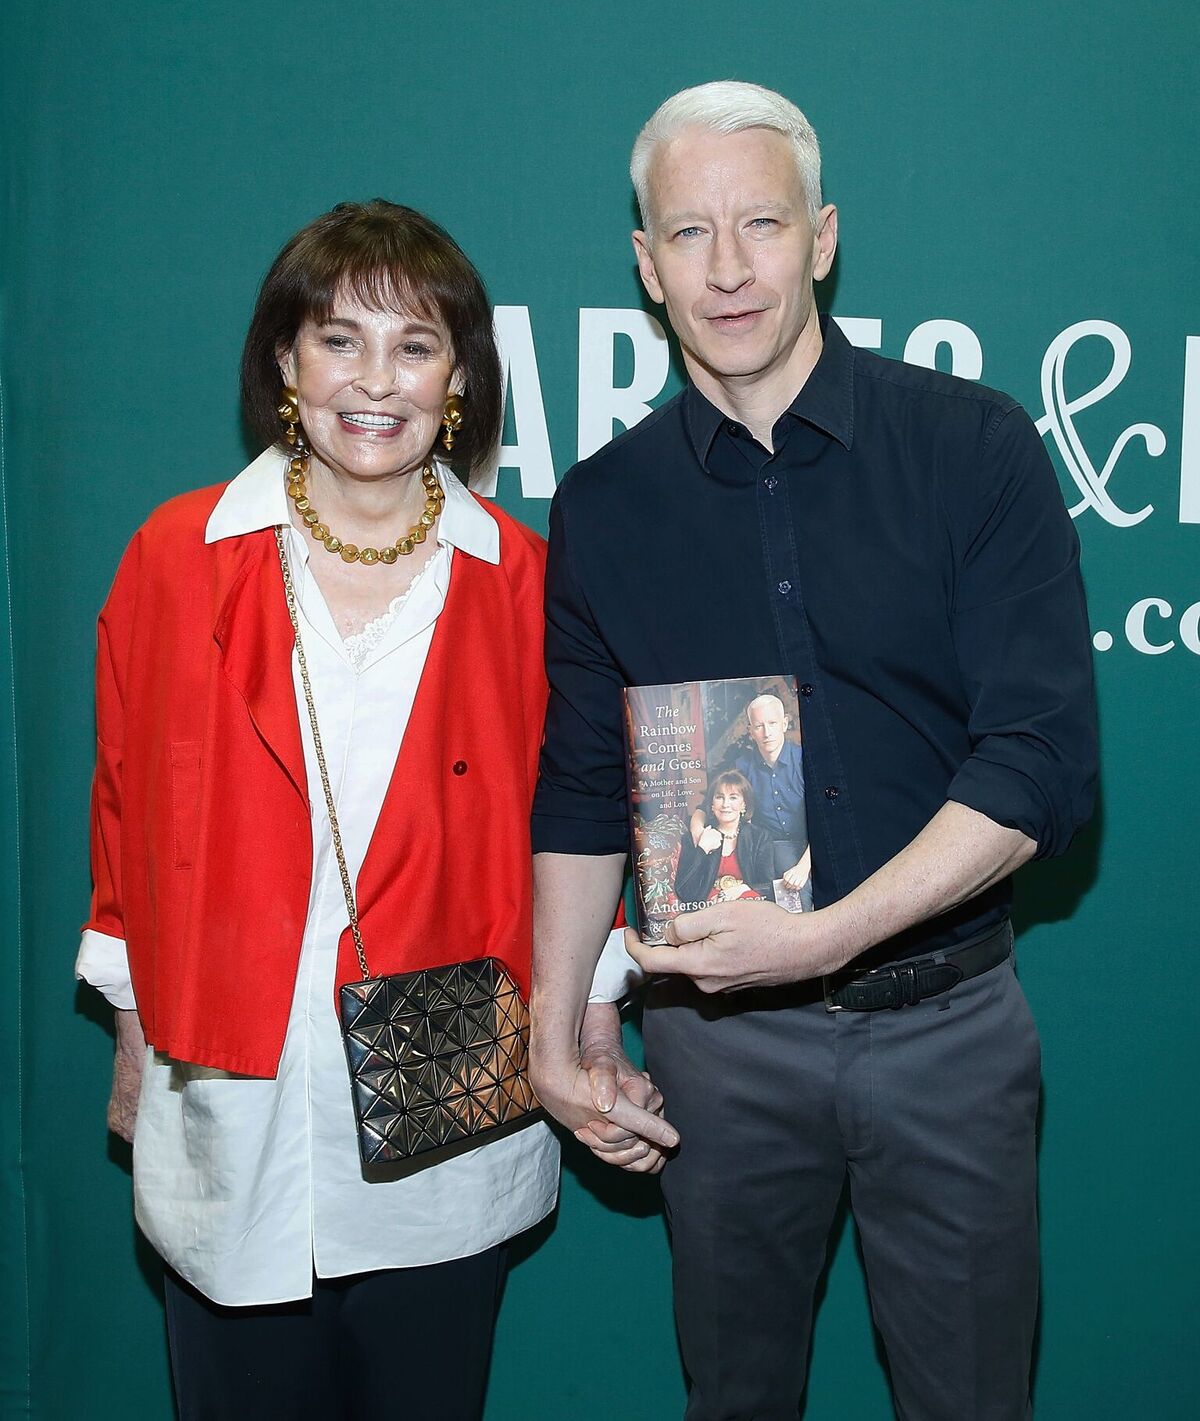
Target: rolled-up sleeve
(579, 807)
(1022, 640)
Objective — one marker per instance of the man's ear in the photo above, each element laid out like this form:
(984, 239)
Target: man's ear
(825, 241)
(646, 269)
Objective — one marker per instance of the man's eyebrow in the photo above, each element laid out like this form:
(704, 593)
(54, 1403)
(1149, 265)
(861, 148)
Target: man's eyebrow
(684, 218)
(674, 219)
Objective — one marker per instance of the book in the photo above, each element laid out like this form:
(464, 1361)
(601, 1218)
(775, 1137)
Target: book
(715, 776)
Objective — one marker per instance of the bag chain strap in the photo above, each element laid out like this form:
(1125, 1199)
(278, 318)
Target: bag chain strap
(347, 889)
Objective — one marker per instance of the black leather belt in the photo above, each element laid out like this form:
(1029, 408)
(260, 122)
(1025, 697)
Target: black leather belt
(903, 984)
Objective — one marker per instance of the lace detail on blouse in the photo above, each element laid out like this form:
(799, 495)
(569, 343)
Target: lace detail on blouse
(360, 646)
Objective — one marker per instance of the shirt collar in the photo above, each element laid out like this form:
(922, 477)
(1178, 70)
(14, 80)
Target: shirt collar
(826, 399)
(257, 499)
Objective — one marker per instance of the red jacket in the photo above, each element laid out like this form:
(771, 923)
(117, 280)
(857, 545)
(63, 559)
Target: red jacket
(201, 839)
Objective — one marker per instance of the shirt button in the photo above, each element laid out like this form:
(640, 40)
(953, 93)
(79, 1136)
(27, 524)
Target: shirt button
(460, 767)
(733, 430)
(806, 690)
(831, 792)
(784, 588)
(772, 483)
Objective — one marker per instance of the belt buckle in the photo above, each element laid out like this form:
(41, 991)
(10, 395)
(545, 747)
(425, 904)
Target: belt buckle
(828, 988)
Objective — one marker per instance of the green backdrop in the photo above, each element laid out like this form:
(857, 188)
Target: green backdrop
(1020, 168)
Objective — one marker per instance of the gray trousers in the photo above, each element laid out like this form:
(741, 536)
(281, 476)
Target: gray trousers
(930, 1112)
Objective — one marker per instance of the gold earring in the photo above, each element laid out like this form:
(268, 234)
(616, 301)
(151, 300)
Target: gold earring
(452, 421)
(288, 411)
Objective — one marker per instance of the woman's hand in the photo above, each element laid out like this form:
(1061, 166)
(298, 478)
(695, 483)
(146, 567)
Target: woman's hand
(612, 1073)
(709, 839)
(603, 1099)
(731, 892)
(128, 1064)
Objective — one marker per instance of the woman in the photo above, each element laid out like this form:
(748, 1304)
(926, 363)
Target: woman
(300, 1283)
(732, 856)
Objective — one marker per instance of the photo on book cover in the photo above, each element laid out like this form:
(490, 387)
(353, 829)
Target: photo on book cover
(715, 772)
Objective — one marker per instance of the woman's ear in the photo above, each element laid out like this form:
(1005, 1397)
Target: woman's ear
(285, 356)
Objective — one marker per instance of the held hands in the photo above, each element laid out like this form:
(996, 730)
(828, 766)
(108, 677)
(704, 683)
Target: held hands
(609, 1105)
(732, 945)
(128, 1063)
(615, 1081)
(709, 840)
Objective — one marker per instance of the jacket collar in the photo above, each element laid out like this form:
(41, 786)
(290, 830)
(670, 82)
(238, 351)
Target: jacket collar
(253, 629)
(257, 499)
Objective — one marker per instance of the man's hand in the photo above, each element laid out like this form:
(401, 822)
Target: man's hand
(957, 855)
(129, 1062)
(798, 875)
(610, 1071)
(709, 839)
(732, 945)
(607, 1103)
(577, 1063)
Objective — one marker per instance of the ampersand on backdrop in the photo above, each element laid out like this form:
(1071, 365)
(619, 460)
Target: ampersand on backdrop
(1059, 421)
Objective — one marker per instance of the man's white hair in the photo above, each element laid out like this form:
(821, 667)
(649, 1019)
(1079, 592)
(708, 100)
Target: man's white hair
(728, 106)
(766, 696)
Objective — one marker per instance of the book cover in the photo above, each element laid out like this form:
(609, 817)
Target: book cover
(715, 771)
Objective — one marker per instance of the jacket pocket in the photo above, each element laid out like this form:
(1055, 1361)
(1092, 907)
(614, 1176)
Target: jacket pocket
(185, 799)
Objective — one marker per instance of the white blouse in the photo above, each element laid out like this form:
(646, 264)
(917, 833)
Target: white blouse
(248, 1186)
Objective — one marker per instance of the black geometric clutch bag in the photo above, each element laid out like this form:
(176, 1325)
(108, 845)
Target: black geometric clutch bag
(436, 1056)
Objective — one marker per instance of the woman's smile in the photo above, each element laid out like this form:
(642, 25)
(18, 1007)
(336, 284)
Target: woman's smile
(378, 426)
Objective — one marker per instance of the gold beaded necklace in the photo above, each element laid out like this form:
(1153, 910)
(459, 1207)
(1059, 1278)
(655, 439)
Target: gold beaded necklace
(349, 552)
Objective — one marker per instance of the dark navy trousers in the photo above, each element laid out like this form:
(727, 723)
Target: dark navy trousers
(408, 1344)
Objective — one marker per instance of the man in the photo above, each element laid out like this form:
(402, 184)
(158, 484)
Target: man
(907, 556)
(775, 771)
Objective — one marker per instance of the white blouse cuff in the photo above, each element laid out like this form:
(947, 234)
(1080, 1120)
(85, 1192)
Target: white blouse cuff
(104, 963)
(616, 974)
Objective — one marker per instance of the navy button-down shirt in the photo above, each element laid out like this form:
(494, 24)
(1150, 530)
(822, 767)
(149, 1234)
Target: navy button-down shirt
(904, 552)
(778, 791)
